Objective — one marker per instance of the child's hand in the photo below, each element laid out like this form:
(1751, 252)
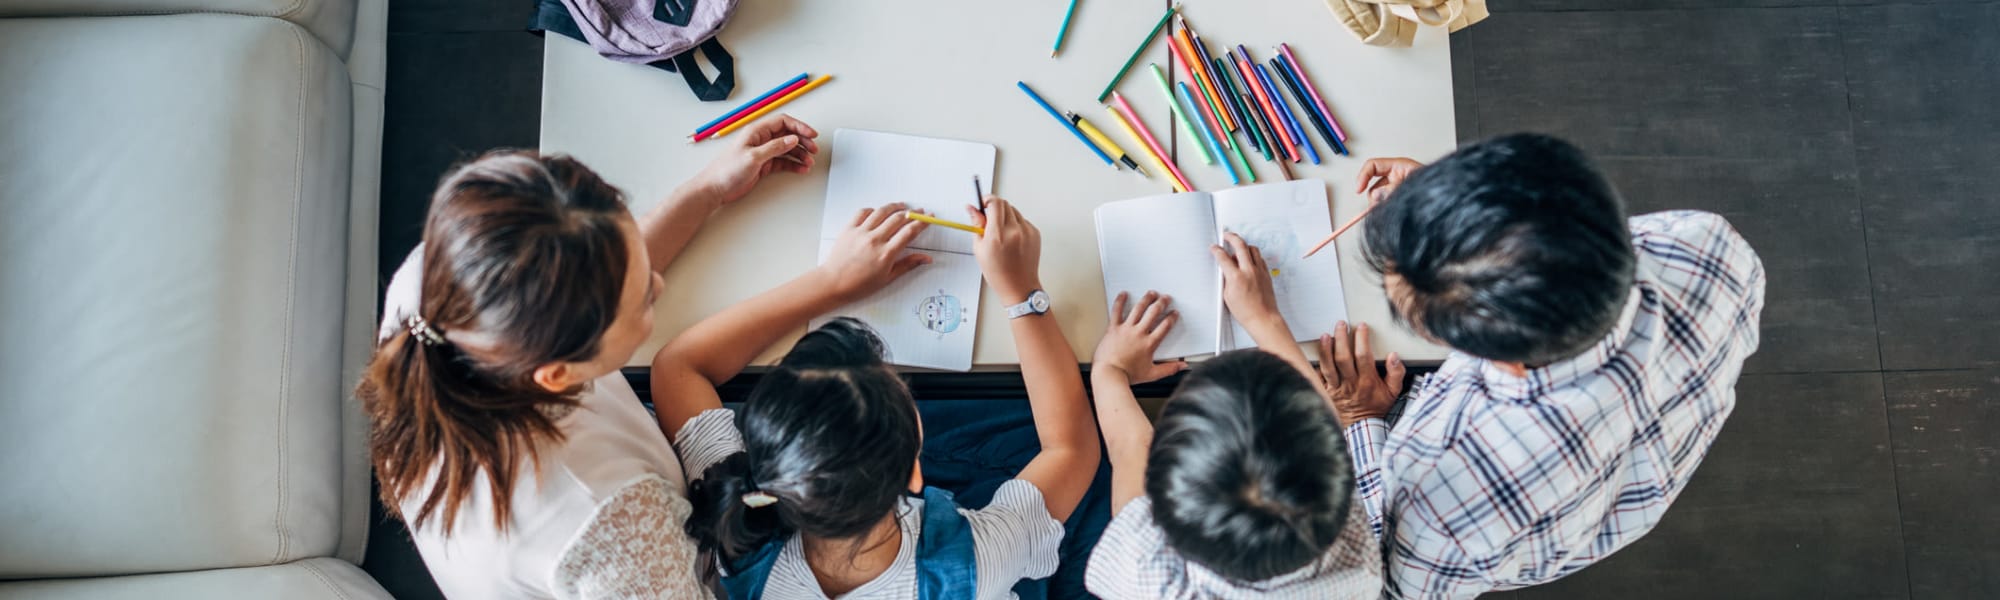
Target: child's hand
(869, 253)
(1347, 365)
(771, 144)
(1010, 252)
(1380, 176)
(1246, 282)
(1128, 345)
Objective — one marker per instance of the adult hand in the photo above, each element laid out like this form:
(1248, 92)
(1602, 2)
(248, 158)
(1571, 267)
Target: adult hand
(760, 148)
(869, 253)
(1347, 366)
(1246, 281)
(1380, 176)
(1128, 345)
(1010, 252)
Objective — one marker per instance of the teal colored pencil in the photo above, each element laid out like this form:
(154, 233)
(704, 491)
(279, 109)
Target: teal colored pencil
(1188, 105)
(1168, 91)
(1064, 32)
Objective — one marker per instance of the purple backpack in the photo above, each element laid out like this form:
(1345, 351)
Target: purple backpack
(662, 33)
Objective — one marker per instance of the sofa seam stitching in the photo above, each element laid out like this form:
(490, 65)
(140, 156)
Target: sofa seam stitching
(291, 300)
(315, 571)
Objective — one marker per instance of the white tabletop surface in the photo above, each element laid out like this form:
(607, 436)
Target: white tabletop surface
(947, 69)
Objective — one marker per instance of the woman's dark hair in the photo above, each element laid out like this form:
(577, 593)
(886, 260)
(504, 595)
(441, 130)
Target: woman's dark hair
(831, 432)
(1514, 249)
(524, 262)
(1248, 474)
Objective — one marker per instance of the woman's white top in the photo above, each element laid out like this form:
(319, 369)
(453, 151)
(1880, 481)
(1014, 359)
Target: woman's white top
(600, 517)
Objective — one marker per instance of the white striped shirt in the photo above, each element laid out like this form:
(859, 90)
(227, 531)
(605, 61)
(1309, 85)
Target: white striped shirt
(1013, 537)
(1133, 561)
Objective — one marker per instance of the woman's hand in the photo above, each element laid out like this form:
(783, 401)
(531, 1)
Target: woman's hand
(1128, 345)
(1380, 176)
(765, 146)
(1246, 281)
(869, 253)
(1010, 252)
(1347, 366)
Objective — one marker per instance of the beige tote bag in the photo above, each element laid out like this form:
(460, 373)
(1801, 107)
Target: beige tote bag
(1394, 23)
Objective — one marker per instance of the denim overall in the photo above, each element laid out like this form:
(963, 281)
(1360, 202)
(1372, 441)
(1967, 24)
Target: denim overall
(945, 564)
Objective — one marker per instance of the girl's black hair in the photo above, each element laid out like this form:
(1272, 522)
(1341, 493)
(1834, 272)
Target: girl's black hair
(1248, 473)
(831, 432)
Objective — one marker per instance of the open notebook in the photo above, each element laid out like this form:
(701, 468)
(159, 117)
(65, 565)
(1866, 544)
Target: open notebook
(927, 318)
(1161, 243)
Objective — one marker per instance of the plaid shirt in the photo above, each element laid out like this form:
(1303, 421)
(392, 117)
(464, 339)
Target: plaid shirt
(1490, 481)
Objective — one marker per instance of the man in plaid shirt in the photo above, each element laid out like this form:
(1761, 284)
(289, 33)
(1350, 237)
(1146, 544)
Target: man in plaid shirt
(1595, 360)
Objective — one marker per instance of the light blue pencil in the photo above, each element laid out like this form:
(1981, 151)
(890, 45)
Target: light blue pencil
(1175, 107)
(1064, 32)
(1206, 135)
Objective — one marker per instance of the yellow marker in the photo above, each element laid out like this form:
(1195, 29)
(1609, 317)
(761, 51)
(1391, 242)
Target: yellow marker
(774, 105)
(1104, 143)
(943, 223)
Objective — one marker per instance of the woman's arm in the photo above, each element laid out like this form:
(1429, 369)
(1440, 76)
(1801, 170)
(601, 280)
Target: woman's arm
(1125, 357)
(1246, 291)
(1010, 254)
(782, 143)
(867, 256)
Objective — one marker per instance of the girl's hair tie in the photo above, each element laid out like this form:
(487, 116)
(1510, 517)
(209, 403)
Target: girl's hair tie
(758, 499)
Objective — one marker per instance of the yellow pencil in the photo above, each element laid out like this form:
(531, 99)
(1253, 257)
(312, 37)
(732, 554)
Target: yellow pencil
(941, 222)
(1157, 160)
(774, 105)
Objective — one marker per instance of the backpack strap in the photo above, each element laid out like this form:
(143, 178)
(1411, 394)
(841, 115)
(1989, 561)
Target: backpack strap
(704, 87)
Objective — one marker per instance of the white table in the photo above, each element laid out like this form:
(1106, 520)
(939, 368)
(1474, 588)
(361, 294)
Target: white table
(947, 69)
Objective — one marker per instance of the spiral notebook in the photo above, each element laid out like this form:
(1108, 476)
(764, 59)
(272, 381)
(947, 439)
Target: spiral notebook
(929, 317)
(1162, 243)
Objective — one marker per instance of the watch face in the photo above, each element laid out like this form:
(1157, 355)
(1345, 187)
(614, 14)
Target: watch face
(1039, 301)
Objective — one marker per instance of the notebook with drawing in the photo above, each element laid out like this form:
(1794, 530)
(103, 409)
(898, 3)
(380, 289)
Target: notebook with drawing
(1161, 243)
(926, 318)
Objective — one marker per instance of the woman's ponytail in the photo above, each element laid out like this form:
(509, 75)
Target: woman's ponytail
(731, 516)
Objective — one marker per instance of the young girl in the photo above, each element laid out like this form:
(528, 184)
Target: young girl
(503, 433)
(814, 490)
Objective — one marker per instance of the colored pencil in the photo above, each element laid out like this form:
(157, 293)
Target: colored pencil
(1177, 181)
(917, 216)
(1234, 102)
(1192, 64)
(1208, 72)
(1065, 123)
(1064, 32)
(1277, 127)
(1259, 129)
(752, 103)
(1175, 107)
(1187, 102)
(1325, 110)
(1291, 84)
(1104, 142)
(1285, 110)
(1136, 52)
(716, 129)
(1132, 121)
(1343, 229)
(1212, 120)
(978, 197)
(774, 103)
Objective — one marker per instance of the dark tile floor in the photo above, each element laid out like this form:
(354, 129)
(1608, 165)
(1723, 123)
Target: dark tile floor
(1851, 141)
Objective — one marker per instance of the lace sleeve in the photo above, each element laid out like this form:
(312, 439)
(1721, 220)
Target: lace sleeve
(634, 547)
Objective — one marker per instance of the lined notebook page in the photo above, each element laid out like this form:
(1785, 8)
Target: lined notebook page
(1282, 220)
(928, 318)
(1161, 243)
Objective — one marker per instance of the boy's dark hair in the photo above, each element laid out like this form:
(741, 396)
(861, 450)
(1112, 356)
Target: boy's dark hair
(831, 432)
(1248, 474)
(1513, 249)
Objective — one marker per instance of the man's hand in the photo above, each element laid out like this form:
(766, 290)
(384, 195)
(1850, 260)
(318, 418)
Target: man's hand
(1246, 282)
(765, 146)
(1010, 252)
(1127, 348)
(1347, 366)
(869, 253)
(1380, 176)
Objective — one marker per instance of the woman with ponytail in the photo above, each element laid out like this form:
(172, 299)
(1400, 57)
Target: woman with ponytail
(502, 432)
(812, 489)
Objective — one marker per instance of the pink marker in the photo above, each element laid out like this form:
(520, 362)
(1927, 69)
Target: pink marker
(1151, 144)
(1325, 110)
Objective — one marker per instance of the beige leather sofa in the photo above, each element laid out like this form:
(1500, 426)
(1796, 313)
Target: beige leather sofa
(187, 253)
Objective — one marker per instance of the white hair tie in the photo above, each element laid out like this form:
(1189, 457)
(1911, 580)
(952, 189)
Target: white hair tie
(423, 331)
(759, 499)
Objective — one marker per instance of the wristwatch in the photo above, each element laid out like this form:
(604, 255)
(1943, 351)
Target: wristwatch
(1036, 304)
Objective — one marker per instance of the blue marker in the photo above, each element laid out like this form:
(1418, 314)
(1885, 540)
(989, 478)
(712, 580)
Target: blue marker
(1285, 111)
